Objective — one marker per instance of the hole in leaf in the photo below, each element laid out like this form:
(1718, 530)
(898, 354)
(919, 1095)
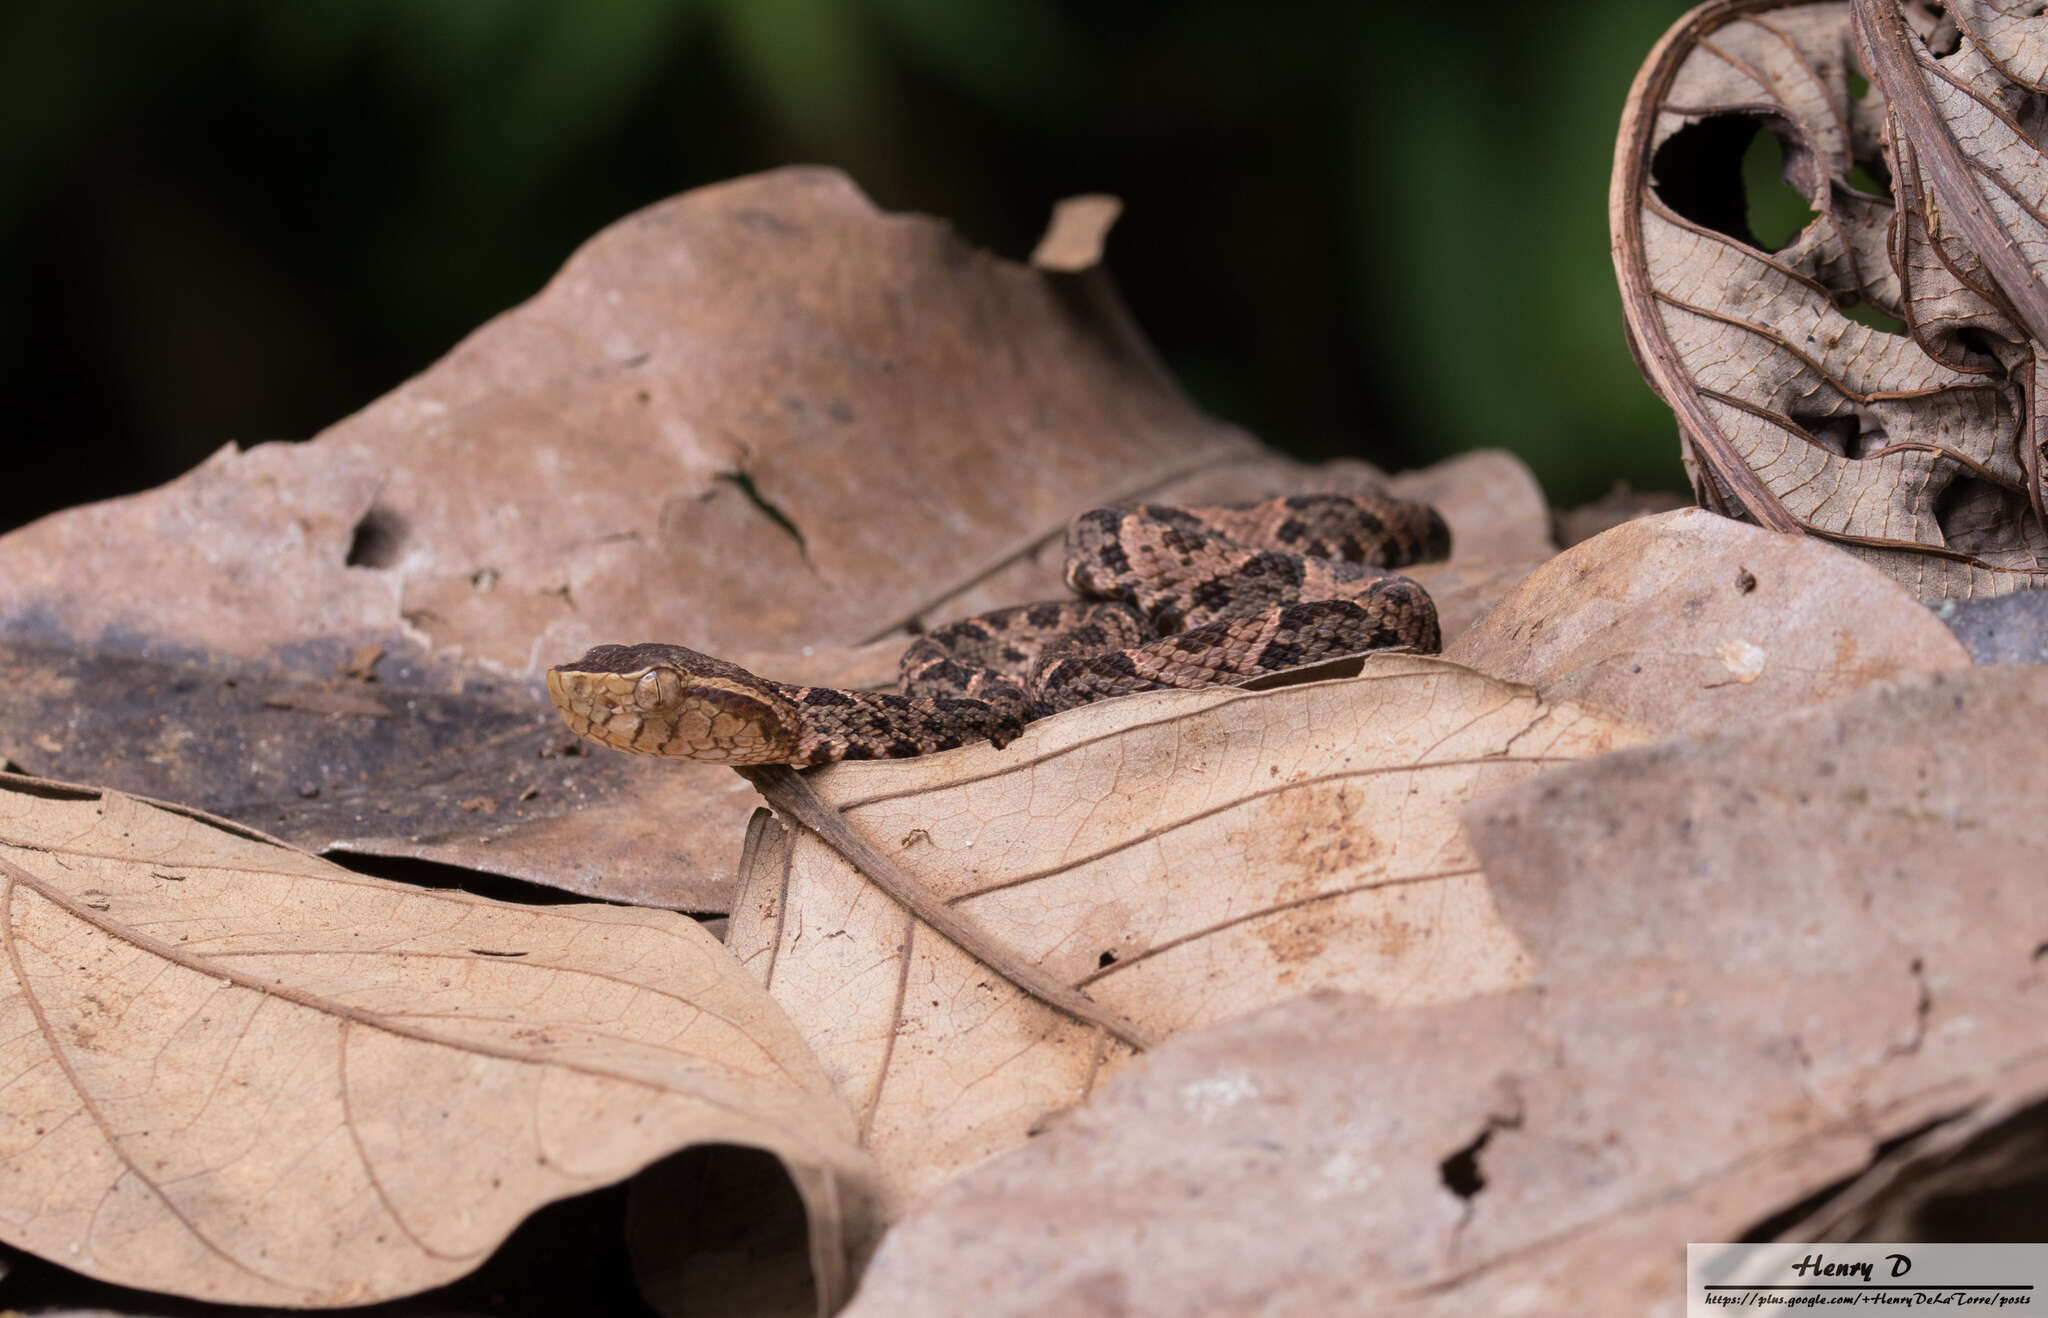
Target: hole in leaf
(2031, 114)
(1726, 173)
(1106, 960)
(1859, 86)
(1871, 177)
(377, 539)
(1697, 172)
(1975, 349)
(1979, 517)
(1876, 317)
(1931, 20)
(1777, 212)
(1460, 1171)
(1840, 433)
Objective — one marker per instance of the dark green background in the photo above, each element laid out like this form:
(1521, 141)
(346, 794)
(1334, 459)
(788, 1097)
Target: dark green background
(1351, 227)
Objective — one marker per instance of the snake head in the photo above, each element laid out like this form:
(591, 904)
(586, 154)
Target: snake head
(667, 700)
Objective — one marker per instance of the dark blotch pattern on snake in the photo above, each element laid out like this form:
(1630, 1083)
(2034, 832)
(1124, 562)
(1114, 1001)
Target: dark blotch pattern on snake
(1182, 597)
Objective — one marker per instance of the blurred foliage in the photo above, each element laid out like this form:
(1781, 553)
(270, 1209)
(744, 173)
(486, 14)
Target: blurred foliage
(1352, 228)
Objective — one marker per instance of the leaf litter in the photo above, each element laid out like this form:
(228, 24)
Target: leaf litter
(1179, 857)
(1428, 959)
(1844, 939)
(239, 1073)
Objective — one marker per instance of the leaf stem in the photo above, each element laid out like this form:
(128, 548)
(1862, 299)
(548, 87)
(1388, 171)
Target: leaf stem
(794, 798)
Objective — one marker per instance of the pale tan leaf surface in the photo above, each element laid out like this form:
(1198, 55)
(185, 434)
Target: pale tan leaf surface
(1686, 622)
(238, 1073)
(1907, 435)
(1758, 957)
(1080, 226)
(762, 419)
(1181, 857)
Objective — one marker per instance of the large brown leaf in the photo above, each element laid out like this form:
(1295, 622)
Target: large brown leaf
(1181, 857)
(761, 419)
(1686, 622)
(1760, 959)
(1876, 381)
(236, 1072)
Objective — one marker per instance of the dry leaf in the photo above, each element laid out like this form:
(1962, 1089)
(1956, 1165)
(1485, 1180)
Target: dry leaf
(238, 1073)
(1760, 958)
(319, 764)
(761, 419)
(1685, 622)
(1618, 505)
(2012, 629)
(1872, 382)
(1080, 226)
(1181, 857)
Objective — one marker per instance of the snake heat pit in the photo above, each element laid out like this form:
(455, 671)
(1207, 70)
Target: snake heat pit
(1180, 597)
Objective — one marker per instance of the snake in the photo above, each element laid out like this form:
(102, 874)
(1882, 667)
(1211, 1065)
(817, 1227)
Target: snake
(1176, 597)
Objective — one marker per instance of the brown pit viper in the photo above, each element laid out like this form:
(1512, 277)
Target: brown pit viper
(1182, 597)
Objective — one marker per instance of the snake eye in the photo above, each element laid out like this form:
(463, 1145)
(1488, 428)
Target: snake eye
(657, 687)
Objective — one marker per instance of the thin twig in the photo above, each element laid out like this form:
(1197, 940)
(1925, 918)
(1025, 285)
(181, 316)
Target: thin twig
(793, 797)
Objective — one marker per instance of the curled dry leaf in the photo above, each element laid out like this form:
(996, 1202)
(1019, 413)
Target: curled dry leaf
(1875, 381)
(238, 1073)
(1686, 622)
(1761, 957)
(713, 427)
(1180, 857)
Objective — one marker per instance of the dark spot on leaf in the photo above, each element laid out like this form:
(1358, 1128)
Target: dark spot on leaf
(744, 483)
(377, 539)
(1460, 1171)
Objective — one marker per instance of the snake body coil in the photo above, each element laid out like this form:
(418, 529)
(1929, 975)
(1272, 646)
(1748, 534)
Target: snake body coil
(1184, 597)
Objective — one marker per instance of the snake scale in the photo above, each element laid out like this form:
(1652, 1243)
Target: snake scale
(1180, 597)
